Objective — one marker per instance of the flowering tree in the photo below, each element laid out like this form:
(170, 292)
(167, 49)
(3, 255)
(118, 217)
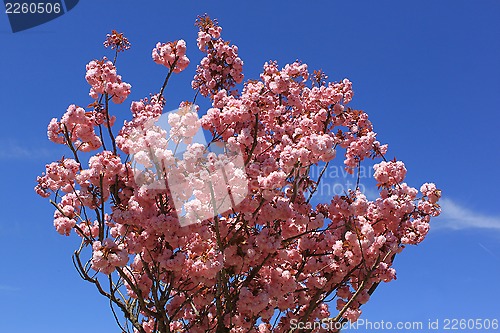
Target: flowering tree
(158, 241)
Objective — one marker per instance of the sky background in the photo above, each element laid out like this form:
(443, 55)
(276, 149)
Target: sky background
(427, 72)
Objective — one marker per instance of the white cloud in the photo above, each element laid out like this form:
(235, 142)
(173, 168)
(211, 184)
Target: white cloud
(4, 287)
(457, 217)
(13, 150)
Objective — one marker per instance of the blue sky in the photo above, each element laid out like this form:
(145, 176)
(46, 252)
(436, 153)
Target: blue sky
(427, 73)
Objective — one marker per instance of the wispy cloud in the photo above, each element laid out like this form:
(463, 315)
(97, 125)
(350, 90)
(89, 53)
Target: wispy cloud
(457, 217)
(4, 287)
(13, 150)
(489, 251)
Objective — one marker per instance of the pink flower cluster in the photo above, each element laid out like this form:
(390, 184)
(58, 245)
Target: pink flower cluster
(431, 192)
(58, 176)
(221, 68)
(171, 55)
(261, 254)
(66, 212)
(107, 255)
(389, 173)
(116, 40)
(144, 113)
(103, 169)
(184, 124)
(103, 79)
(76, 128)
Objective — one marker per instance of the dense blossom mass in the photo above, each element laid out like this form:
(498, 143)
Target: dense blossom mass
(172, 55)
(275, 257)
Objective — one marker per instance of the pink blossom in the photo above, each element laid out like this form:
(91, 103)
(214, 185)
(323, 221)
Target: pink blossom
(103, 79)
(221, 68)
(64, 225)
(108, 255)
(431, 192)
(258, 246)
(389, 173)
(171, 55)
(116, 40)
